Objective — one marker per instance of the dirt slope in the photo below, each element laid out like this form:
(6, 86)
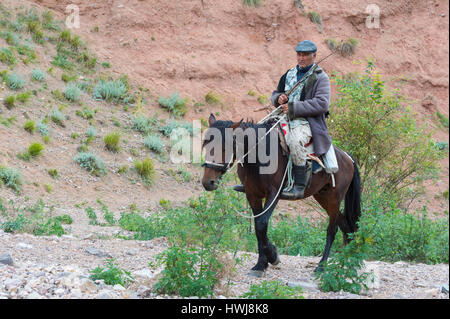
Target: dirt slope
(194, 47)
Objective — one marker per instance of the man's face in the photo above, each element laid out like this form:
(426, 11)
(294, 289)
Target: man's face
(305, 58)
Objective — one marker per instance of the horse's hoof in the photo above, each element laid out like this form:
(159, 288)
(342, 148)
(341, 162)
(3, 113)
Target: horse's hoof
(256, 273)
(319, 269)
(277, 261)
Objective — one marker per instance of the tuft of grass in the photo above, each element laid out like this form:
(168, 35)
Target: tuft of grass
(29, 126)
(112, 141)
(11, 178)
(14, 81)
(154, 143)
(273, 290)
(146, 170)
(53, 173)
(23, 97)
(174, 104)
(443, 120)
(252, 3)
(33, 150)
(91, 163)
(212, 99)
(111, 91)
(333, 44)
(10, 102)
(72, 93)
(348, 47)
(43, 129)
(57, 117)
(263, 99)
(8, 57)
(111, 274)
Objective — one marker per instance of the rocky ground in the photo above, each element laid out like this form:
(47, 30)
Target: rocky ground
(59, 267)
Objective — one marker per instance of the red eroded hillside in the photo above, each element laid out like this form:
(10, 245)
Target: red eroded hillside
(197, 46)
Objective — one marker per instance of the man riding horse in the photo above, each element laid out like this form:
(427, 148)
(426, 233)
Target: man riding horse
(306, 108)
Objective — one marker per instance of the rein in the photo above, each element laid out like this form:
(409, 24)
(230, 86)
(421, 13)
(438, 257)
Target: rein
(225, 167)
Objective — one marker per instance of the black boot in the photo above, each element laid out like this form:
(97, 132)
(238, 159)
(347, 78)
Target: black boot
(239, 188)
(301, 175)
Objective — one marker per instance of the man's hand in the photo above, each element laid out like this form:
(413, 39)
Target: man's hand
(285, 108)
(282, 99)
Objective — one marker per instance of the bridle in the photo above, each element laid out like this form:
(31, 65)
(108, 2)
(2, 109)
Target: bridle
(223, 168)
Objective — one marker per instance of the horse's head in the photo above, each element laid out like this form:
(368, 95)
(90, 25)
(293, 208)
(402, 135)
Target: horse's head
(219, 155)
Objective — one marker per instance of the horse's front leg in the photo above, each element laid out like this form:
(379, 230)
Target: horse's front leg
(266, 251)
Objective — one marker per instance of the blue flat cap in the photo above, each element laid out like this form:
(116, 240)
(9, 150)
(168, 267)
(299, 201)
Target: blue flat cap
(306, 46)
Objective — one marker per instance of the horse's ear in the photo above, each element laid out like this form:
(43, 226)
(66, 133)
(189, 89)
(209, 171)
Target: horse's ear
(237, 124)
(212, 119)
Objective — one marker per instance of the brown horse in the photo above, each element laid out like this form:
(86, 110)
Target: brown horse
(266, 186)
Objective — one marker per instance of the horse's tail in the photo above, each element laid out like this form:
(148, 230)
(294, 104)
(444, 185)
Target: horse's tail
(352, 209)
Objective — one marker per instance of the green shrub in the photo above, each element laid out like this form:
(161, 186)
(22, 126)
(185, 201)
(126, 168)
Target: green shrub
(187, 272)
(7, 56)
(91, 163)
(11, 178)
(72, 93)
(43, 129)
(86, 113)
(348, 47)
(172, 125)
(443, 120)
(143, 124)
(23, 97)
(111, 274)
(174, 104)
(62, 61)
(314, 17)
(10, 102)
(68, 78)
(29, 126)
(252, 3)
(14, 81)
(57, 117)
(333, 44)
(263, 99)
(273, 290)
(373, 125)
(112, 141)
(146, 170)
(53, 173)
(92, 216)
(91, 132)
(12, 39)
(212, 99)
(34, 150)
(111, 91)
(154, 143)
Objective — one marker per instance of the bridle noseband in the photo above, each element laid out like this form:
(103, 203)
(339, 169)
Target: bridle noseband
(219, 167)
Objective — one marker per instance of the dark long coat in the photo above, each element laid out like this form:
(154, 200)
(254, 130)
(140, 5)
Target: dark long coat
(313, 106)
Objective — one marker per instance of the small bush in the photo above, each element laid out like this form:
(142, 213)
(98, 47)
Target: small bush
(174, 104)
(348, 47)
(143, 124)
(111, 274)
(57, 117)
(53, 173)
(443, 120)
(112, 141)
(11, 178)
(43, 129)
(252, 3)
(91, 163)
(29, 126)
(34, 150)
(333, 44)
(273, 290)
(86, 113)
(146, 170)
(212, 99)
(23, 97)
(92, 216)
(10, 102)
(91, 132)
(72, 93)
(14, 81)
(154, 143)
(61, 61)
(110, 91)
(68, 78)
(7, 56)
